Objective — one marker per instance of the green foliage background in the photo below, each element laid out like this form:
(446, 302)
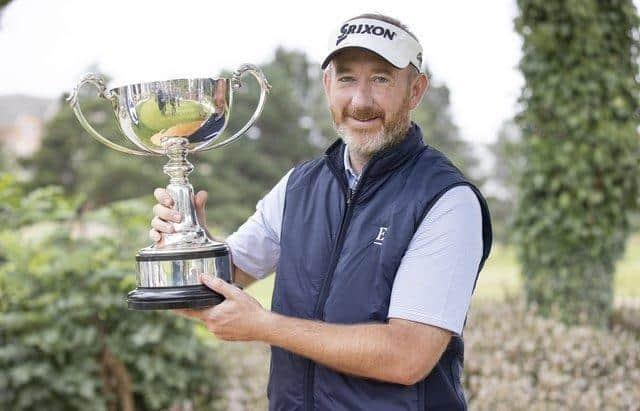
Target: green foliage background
(580, 141)
(66, 339)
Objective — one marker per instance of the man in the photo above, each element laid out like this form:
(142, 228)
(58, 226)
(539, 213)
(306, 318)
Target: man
(376, 246)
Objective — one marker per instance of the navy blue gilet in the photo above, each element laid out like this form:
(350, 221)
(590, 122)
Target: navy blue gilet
(334, 268)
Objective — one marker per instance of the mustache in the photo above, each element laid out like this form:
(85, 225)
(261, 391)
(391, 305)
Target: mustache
(362, 113)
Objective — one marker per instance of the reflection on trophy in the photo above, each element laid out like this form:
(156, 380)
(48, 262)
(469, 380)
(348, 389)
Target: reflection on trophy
(174, 118)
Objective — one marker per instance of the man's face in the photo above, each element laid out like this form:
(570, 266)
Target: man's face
(370, 100)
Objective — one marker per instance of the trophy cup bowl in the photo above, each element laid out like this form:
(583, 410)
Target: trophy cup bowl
(174, 118)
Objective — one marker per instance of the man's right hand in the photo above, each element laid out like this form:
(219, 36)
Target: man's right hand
(165, 215)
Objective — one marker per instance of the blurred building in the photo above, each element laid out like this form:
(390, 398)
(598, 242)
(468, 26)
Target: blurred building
(22, 120)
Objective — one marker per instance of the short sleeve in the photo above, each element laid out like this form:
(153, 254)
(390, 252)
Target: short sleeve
(255, 245)
(435, 279)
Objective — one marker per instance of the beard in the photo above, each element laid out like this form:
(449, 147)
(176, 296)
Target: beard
(364, 144)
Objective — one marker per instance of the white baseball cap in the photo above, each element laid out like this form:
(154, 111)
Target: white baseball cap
(387, 40)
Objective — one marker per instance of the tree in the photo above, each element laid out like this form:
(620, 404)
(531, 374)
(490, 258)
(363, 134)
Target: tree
(580, 141)
(439, 130)
(244, 172)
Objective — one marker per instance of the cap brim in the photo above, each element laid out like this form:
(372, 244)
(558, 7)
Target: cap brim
(330, 57)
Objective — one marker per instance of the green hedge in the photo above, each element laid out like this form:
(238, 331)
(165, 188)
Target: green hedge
(67, 341)
(519, 360)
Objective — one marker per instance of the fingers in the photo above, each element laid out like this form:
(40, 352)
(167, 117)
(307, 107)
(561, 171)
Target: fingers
(155, 236)
(220, 286)
(166, 214)
(162, 226)
(163, 197)
(201, 199)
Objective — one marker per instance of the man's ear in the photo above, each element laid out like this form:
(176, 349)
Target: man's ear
(419, 87)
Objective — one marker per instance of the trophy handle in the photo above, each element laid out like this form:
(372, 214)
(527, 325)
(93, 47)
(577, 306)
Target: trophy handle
(236, 84)
(74, 102)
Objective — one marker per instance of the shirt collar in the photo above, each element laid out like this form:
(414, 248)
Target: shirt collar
(347, 164)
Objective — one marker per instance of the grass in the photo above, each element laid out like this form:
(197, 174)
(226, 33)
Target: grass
(501, 275)
(262, 290)
(627, 280)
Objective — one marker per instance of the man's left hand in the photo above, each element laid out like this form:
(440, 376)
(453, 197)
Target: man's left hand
(239, 317)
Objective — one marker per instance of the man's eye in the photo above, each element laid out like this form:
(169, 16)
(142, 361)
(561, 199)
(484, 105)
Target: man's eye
(346, 79)
(381, 79)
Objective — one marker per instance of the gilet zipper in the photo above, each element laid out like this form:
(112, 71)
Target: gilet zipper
(318, 312)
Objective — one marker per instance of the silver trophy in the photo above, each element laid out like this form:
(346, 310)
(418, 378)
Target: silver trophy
(174, 118)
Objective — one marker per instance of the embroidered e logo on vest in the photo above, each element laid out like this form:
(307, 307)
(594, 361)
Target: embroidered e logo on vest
(380, 238)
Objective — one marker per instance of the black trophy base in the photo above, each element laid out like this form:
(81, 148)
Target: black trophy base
(166, 298)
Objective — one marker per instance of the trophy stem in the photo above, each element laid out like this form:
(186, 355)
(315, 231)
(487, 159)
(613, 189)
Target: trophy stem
(178, 167)
(188, 232)
(168, 274)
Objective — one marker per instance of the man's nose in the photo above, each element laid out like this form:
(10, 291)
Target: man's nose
(362, 96)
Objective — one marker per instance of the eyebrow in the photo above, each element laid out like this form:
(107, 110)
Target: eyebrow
(341, 69)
